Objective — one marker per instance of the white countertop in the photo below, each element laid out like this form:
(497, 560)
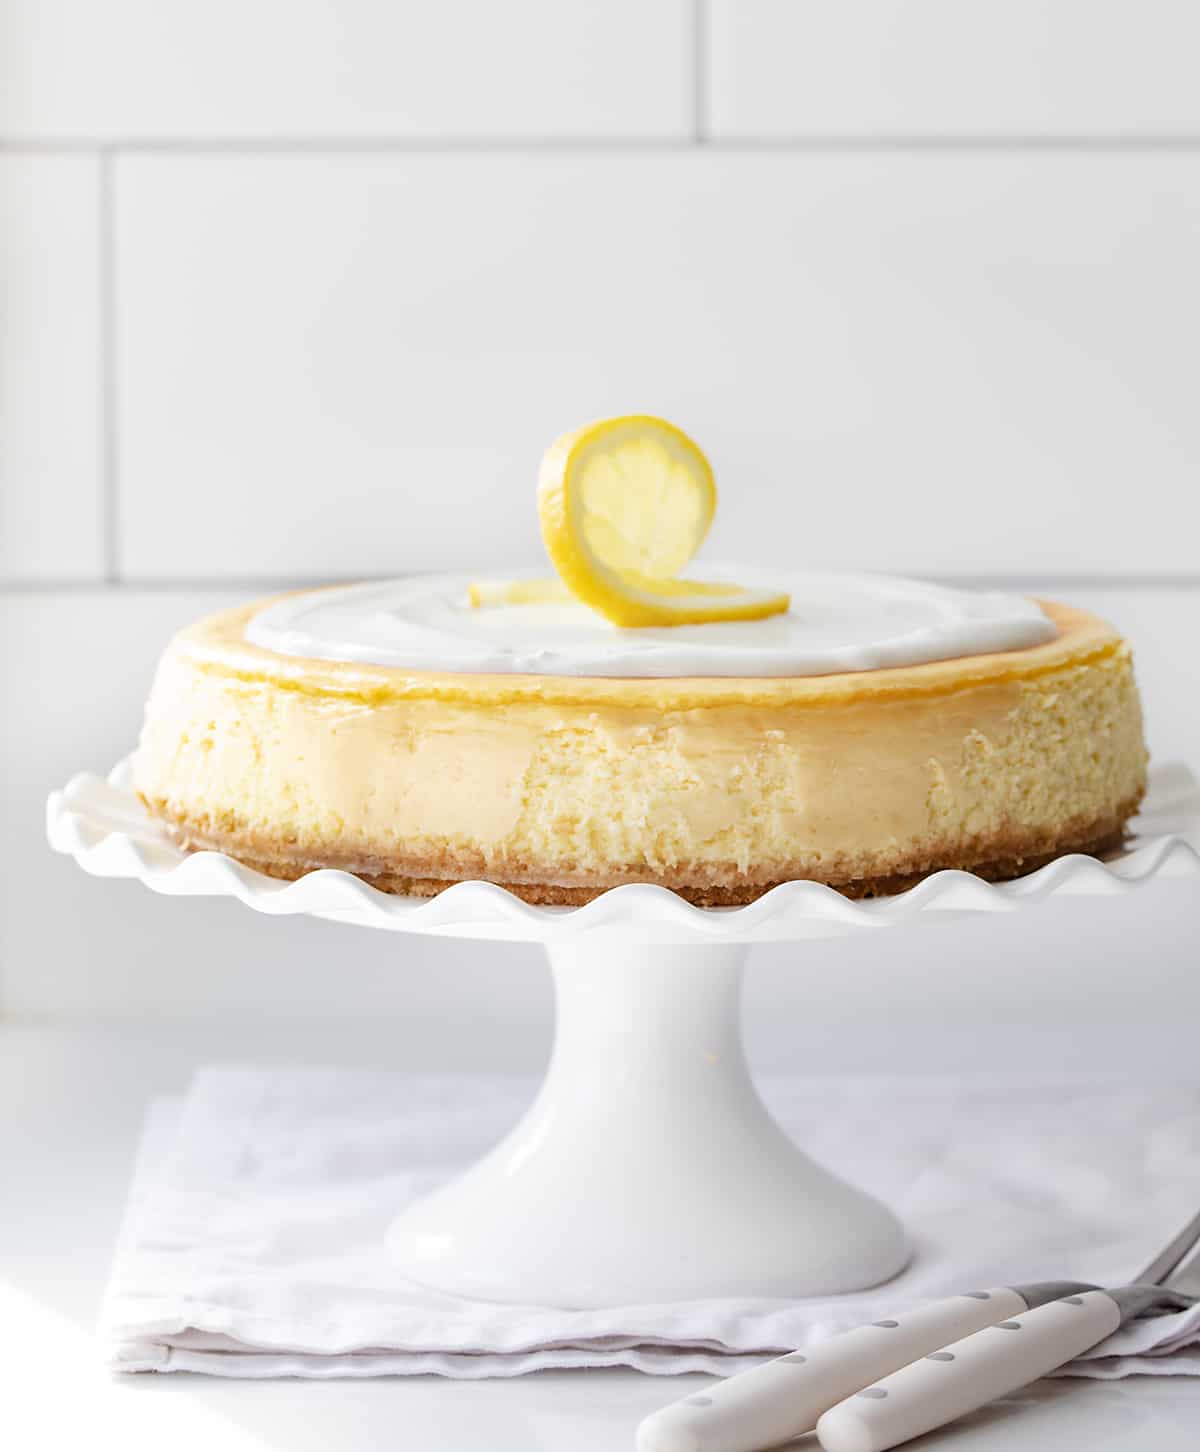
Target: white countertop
(71, 1105)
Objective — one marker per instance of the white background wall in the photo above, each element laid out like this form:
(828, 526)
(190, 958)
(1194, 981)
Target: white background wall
(300, 291)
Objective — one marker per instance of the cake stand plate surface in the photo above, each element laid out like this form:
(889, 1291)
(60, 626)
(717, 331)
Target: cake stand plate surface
(647, 1169)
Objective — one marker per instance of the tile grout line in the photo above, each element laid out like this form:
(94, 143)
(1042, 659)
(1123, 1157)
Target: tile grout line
(1178, 580)
(700, 20)
(831, 144)
(108, 381)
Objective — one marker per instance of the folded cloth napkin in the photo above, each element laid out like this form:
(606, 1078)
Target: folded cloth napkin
(253, 1245)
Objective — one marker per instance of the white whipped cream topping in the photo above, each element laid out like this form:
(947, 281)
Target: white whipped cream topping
(838, 622)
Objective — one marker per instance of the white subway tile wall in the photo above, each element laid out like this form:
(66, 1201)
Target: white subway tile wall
(51, 443)
(875, 349)
(301, 290)
(283, 70)
(928, 68)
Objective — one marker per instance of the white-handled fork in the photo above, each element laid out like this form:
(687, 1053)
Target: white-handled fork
(879, 1385)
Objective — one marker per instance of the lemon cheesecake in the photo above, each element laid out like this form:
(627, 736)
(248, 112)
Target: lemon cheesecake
(873, 732)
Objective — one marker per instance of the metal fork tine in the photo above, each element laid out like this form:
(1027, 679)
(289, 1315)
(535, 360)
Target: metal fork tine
(1172, 1256)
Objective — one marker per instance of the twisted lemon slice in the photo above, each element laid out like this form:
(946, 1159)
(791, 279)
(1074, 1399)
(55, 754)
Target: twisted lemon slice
(624, 504)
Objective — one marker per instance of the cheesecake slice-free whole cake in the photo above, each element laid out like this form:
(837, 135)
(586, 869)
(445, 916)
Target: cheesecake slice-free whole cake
(263, 740)
(759, 728)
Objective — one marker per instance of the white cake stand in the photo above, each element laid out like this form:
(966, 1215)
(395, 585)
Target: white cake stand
(648, 1169)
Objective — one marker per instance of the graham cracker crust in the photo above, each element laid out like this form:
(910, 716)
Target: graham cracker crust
(1002, 860)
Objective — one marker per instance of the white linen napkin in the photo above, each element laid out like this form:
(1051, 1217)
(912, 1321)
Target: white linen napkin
(253, 1246)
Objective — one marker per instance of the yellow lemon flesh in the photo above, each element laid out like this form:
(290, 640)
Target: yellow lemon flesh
(624, 504)
(482, 593)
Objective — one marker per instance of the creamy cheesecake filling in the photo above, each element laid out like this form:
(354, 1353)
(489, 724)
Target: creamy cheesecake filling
(837, 623)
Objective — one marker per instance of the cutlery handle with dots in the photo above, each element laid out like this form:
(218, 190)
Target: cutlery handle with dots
(966, 1374)
(783, 1399)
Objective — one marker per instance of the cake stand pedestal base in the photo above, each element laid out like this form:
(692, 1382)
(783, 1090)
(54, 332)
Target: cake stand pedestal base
(647, 1169)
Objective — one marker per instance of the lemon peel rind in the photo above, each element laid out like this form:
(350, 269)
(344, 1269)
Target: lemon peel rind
(623, 597)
